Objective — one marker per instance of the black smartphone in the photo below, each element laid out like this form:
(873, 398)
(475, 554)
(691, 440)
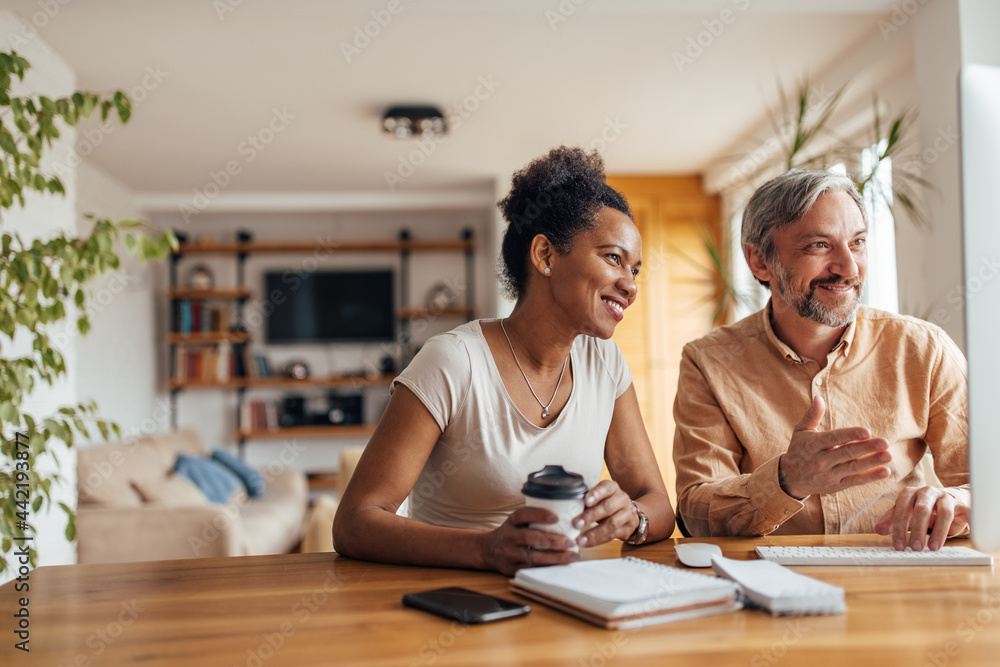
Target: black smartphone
(464, 605)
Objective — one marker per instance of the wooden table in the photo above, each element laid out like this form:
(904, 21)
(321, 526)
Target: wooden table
(321, 609)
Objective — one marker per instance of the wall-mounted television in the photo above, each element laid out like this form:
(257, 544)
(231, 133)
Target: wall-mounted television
(330, 306)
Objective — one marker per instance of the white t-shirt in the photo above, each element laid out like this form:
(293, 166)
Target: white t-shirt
(474, 475)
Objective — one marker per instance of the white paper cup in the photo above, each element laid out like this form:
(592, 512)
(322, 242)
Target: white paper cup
(560, 492)
(566, 510)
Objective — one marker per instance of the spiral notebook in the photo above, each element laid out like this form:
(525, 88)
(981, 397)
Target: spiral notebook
(777, 589)
(622, 593)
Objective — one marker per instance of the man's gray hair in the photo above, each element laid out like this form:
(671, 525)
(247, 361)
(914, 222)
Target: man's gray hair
(783, 200)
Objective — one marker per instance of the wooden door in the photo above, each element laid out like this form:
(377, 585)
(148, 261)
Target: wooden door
(675, 305)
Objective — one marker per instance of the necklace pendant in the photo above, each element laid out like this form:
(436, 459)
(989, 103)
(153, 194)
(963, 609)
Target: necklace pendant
(545, 413)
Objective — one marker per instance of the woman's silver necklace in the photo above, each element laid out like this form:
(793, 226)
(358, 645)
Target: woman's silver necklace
(545, 408)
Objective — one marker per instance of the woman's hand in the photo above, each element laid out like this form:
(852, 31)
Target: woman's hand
(611, 509)
(514, 545)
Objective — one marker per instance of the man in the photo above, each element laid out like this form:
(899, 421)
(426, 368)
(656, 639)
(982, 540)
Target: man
(813, 415)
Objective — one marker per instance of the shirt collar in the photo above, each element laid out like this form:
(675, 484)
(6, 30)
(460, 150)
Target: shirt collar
(843, 345)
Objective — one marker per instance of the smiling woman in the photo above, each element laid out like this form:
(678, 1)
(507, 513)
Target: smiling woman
(484, 405)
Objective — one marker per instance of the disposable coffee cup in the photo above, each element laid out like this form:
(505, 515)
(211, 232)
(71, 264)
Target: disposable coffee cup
(560, 492)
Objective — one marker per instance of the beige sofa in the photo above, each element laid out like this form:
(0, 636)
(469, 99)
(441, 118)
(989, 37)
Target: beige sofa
(131, 508)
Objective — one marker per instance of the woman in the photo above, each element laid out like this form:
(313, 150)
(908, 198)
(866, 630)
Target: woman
(484, 405)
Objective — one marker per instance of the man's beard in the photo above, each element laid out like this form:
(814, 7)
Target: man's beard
(808, 306)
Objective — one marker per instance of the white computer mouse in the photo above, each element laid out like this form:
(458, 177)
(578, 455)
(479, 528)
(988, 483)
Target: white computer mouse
(697, 554)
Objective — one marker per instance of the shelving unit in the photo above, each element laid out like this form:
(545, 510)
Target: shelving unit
(238, 294)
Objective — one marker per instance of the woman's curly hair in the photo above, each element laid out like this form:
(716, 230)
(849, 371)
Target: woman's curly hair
(557, 195)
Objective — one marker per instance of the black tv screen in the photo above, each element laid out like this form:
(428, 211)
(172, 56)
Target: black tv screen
(330, 306)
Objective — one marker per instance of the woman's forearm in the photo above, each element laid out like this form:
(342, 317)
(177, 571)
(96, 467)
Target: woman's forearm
(376, 534)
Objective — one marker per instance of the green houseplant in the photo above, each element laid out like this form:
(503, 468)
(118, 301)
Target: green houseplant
(37, 281)
(802, 139)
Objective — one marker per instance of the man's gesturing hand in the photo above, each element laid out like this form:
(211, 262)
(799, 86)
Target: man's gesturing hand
(830, 461)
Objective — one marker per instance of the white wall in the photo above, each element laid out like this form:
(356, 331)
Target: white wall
(116, 364)
(213, 411)
(947, 34)
(42, 216)
(938, 58)
(980, 25)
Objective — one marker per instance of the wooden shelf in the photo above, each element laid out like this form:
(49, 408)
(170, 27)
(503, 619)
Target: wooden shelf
(329, 381)
(347, 431)
(214, 293)
(423, 312)
(323, 481)
(278, 382)
(173, 384)
(313, 246)
(207, 337)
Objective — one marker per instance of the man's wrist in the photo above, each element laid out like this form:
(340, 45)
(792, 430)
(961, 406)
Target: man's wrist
(783, 483)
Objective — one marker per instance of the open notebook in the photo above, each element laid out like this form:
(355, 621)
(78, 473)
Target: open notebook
(777, 589)
(627, 592)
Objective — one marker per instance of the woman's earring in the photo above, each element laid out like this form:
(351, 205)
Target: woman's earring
(546, 270)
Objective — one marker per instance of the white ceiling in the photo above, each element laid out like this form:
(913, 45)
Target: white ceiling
(609, 63)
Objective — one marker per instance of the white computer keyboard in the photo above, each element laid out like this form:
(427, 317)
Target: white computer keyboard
(872, 556)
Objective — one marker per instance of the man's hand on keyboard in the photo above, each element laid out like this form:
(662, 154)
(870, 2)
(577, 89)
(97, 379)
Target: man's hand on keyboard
(919, 510)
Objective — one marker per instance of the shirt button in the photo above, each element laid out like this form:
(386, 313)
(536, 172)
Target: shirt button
(787, 512)
(819, 382)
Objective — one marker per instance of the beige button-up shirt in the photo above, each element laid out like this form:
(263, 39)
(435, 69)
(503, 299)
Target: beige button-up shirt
(742, 391)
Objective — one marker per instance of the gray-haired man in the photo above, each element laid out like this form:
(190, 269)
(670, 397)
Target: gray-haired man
(813, 415)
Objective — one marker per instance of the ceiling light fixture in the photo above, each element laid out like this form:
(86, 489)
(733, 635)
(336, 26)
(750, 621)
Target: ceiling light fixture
(404, 122)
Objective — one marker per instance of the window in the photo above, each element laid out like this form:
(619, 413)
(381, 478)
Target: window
(881, 287)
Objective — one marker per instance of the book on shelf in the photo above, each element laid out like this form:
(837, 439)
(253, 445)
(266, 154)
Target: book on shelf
(196, 316)
(205, 363)
(258, 415)
(622, 593)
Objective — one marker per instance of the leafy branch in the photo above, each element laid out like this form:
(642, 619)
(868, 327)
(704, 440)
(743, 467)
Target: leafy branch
(43, 283)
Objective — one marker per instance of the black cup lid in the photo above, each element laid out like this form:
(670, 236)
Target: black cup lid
(554, 483)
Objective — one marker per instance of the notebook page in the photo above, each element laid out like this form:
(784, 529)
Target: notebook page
(618, 585)
(780, 590)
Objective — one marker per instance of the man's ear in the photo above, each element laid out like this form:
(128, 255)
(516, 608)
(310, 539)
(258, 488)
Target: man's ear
(541, 253)
(759, 266)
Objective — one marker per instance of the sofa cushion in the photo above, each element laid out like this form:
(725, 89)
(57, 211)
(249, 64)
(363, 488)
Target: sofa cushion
(105, 473)
(171, 491)
(251, 478)
(215, 480)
